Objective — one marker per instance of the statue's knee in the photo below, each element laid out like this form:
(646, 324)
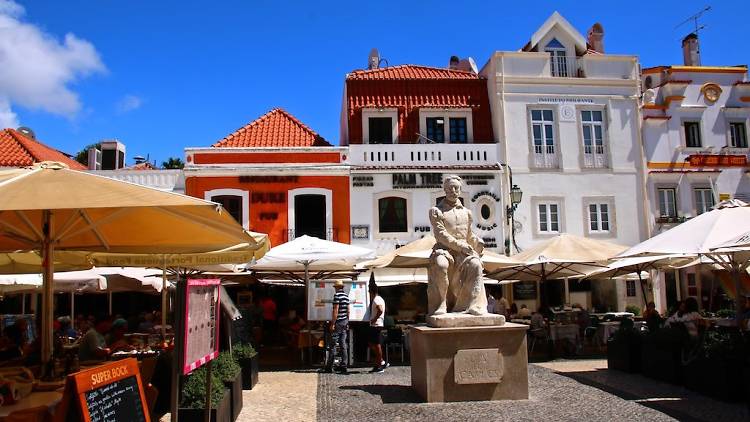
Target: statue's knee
(441, 262)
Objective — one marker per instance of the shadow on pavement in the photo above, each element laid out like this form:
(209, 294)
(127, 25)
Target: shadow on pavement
(391, 393)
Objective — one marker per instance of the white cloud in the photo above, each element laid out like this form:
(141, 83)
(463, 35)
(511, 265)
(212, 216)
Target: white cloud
(7, 117)
(36, 68)
(128, 103)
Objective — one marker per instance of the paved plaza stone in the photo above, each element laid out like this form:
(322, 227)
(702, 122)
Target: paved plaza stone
(562, 390)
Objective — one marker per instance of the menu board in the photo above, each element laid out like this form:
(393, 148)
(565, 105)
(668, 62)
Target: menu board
(111, 393)
(524, 290)
(320, 300)
(201, 323)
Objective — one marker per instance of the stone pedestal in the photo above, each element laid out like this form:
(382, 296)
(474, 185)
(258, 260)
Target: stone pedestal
(469, 363)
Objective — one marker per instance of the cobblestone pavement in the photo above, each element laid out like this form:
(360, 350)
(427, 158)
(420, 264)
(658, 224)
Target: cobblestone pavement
(281, 396)
(388, 396)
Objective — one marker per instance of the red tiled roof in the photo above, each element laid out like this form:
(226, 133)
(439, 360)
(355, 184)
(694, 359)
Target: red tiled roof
(410, 71)
(277, 128)
(17, 150)
(142, 166)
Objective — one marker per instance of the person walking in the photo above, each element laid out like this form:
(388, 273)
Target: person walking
(376, 316)
(339, 327)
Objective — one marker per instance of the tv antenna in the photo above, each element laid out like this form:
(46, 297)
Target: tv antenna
(695, 18)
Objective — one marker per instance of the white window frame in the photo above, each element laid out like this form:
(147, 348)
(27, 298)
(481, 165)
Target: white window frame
(447, 114)
(630, 286)
(702, 191)
(376, 215)
(598, 155)
(730, 134)
(599, 213)
(292, 193)
(548, 217)
(675, 204)
(683, 129)
(556, 65)
(369, 112)
(548, 160)
(598, 201)
(245, 195)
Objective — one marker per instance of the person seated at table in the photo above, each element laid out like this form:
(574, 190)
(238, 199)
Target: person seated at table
(501, 305)
(13, 340)
(744, 318)
(93, 345)
(147, 325)
(524, 312)
(583, 319)
(65, 329)
(688, 315)
(652, 316)
(513, 313)
(116, 337)
(537, 319)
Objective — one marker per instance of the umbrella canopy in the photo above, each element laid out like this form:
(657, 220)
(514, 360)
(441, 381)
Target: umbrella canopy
(311, 253)
(416, 254)
(625, 266)
(72, 281)
(562, 256)
(31, 262)
(50, 207)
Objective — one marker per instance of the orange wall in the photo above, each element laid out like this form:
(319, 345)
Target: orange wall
(277, 228)
(266, 157)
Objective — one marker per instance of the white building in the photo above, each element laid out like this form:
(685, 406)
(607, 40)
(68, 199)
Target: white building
(695, 136)
(565, 116)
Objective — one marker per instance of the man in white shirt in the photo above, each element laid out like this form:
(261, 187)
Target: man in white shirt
(501, 305)
(375, 315)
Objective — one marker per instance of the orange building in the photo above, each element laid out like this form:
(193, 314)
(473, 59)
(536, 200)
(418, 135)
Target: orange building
(275, 176)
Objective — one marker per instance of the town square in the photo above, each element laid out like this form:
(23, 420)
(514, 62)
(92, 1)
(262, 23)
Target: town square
(295, 211)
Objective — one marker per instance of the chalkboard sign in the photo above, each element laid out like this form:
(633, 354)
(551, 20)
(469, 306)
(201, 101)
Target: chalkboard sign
(524, 290)
(201, 323)
(112, 393)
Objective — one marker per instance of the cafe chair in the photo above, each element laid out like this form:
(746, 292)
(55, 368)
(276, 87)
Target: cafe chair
(394, 339)
(148, 366)
(536, 334)
(33, 414)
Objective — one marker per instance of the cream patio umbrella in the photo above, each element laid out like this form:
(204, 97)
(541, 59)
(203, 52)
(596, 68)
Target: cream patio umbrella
(562, 256)
(711, 234)
(50, 207)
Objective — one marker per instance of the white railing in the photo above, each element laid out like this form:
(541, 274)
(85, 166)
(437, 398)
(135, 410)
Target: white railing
(422, 154)
(167, 180)
(595, 156)
(545, 160)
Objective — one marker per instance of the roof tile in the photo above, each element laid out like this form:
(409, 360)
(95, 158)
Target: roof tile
(17, 150)
(277, 128)
(410, 71)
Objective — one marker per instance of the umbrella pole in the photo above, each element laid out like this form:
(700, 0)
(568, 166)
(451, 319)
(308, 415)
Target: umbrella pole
(738, 289)
(109, 296)
(23, 303)
(48, 266)
(307, 313)
(643, 291)
(73, 305)
(164, 300)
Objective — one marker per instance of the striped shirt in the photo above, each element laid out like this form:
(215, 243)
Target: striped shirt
(342, 299)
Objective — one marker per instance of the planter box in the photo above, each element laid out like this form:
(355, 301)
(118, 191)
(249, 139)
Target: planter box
(222, 413)
(661, 356)
(716, 377)
(624, 352)
(249, 372)
(235, 393)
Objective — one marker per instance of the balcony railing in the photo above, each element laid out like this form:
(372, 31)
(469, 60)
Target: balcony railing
(595, 156)
(422, 155)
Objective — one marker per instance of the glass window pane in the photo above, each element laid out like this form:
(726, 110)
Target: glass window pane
(458, 131)
(537, 129)
(596, 116)
(547, 115)
(548, 134)
(587, 135)
(598, 134)
(392, 217)
(586, 115)
(536, 114)
(436, 129)
(380, 130)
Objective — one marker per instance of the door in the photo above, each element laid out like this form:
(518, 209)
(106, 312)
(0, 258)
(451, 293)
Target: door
(310, 216)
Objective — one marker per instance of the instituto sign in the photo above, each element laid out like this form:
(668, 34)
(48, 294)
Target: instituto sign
(564, 100)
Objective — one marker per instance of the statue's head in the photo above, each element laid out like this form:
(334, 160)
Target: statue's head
(452, 186)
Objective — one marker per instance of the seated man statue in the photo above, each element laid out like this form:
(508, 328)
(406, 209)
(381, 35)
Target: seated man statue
(455, 272)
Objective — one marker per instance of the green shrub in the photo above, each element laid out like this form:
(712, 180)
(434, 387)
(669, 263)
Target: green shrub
(243, 351)
(194, 389)
(725, 313)
(633, 309)
(226, 368)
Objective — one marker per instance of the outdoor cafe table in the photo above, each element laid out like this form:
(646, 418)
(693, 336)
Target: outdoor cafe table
(559, 332)
(36, 399)
(605, 329)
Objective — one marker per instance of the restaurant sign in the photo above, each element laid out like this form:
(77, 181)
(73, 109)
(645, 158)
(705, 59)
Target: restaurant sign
(706, 160)
(417, 181)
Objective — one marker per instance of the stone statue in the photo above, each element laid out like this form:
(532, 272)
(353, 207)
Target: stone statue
(455, 272)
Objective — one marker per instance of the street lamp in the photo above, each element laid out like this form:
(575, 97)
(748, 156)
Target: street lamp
(515, 198)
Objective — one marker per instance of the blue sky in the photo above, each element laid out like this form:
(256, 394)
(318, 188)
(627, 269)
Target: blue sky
(163, 75)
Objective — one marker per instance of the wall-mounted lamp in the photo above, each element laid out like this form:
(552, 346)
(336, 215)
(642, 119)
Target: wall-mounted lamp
(515, 198)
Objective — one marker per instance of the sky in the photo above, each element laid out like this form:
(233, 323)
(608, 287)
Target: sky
(163, 75)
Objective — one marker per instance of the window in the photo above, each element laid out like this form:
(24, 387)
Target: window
(380, 130)
(458, 132)
(549, 218)
(231, 203)
(599, 218)
(436, 129)
(737, 135)
(667, 203)
(542, 130)
(630, 288)
(704, 200)
(392, 216)
(594, 153)
(692, 134)
(558, 58)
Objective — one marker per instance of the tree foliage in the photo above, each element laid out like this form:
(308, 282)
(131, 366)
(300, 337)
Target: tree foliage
(83, 155)
(173, 163)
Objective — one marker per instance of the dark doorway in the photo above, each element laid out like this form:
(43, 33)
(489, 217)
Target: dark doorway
(310, 216)
(381, 130)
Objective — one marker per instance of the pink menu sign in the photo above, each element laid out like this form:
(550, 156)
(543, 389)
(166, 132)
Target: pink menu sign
(201, 323)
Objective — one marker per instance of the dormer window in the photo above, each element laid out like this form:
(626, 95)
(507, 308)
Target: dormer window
(558, 58)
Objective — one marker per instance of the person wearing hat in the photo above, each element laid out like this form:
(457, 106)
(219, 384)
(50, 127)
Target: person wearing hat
(339, 327)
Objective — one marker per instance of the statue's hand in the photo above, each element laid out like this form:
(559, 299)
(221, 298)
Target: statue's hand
(466, 248)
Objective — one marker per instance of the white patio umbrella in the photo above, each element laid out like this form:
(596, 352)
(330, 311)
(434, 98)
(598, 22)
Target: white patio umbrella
(711, 234)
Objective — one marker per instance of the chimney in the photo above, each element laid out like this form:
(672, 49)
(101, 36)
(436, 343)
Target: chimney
(691, 53)
(595, 38)
(453, 63)
(373, 60)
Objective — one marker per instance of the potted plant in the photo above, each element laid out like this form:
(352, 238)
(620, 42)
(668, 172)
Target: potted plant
(661, 354)
(247, 357)
(192, 406)
(717, 371)
(230, 373)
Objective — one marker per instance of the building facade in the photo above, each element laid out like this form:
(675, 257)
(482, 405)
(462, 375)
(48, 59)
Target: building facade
(275, 176)
(565, 118)
(406, 127)
(695, 135)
